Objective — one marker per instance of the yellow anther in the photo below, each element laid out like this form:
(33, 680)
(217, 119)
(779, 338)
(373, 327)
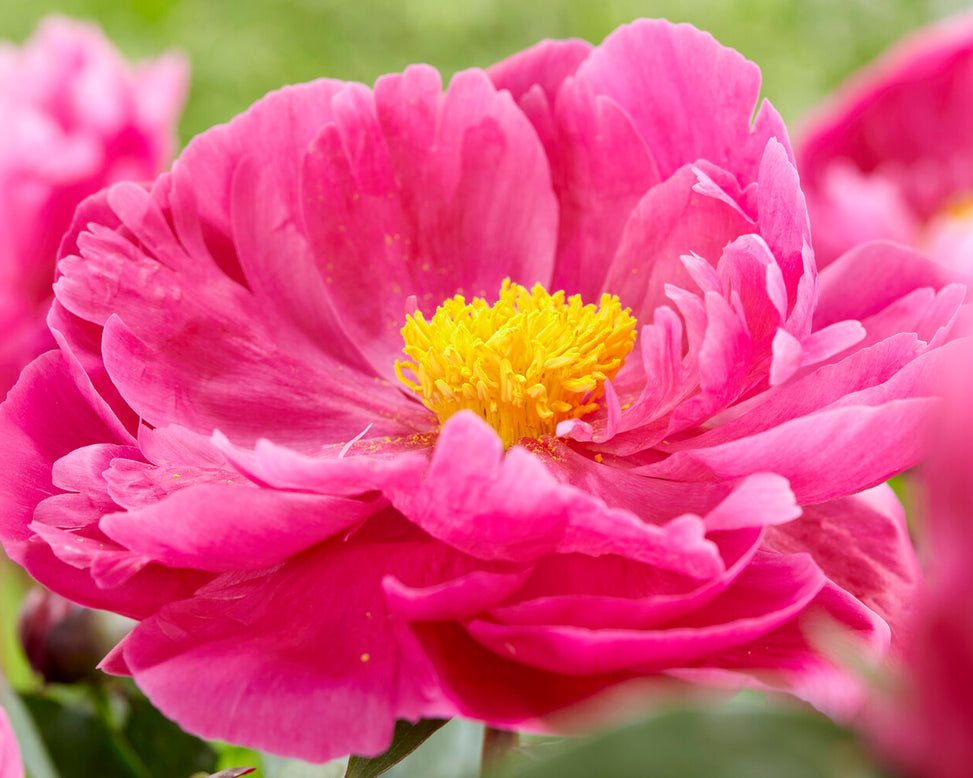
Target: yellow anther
(525, 364)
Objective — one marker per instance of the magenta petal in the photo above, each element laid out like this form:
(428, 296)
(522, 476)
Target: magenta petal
(460, 598)
(284, 121)
(701, 109)
(411, 192)
(672, 219)
(481, 502)
(784, 224)
(811, 451)
(80, 343)
(765, 596)
(544, 65)
(600, 168)
(350, 475)
(678, 545)
(879, 273)
(294, 645)
(869, 553)
(227, 527)
(614, 593)
(760, 500)
(33, 436)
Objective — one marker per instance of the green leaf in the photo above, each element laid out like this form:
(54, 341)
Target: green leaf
(162, 746)
(408, 737)
(716, 744)
(229, 756)
(37, 762)
(77, 740)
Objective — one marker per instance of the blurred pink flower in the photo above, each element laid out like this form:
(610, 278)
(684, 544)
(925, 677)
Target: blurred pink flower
(335, 495)
(10, 764)
(76, 117)
(890, 156)
(928, 727)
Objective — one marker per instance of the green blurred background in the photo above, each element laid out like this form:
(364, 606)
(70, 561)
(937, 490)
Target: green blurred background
(240, 49)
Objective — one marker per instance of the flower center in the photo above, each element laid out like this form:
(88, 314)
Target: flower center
(524, 364)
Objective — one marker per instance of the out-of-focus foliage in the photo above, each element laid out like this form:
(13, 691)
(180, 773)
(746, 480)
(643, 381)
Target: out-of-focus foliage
(715, 743)
(240, 49)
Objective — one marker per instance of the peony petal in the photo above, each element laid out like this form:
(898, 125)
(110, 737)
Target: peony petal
(485, 504)
(766, 595)
(337, 658)
(814, 452)
(671, 220)
(614, 593)
(228, 527)
(868, 553)
(411, 192)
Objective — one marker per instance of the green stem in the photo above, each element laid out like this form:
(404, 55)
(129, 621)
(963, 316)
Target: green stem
(496, 745)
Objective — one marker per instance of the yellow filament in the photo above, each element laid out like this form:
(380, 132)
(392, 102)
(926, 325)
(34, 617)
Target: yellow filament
(525, 364)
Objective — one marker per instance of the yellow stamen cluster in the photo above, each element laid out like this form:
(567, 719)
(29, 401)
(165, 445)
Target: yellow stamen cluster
(529, 361)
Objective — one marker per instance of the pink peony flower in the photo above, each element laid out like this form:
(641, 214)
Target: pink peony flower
(890, 156)
(400, 402)
(76, 117)
(10, 764)
(927, 728)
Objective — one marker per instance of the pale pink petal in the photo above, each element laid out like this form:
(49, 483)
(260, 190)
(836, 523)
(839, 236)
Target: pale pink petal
(10, 764)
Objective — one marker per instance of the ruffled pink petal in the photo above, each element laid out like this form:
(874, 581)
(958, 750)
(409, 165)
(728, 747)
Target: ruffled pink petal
(752, 607)
(229, 527)
(140, 283)
(80, 345)
(414, 192)
(818, 453)
(395, 466)
(671, 220)
(785, 227)
(310, 641)
(600, 168)
(483, 503)
(897, 368)
(701, 109)
(460, 598)
(33, 436)
(285, 122)
(862, 544)
(794, 657)
(543, 66)
(872, 277)
(614, 593)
